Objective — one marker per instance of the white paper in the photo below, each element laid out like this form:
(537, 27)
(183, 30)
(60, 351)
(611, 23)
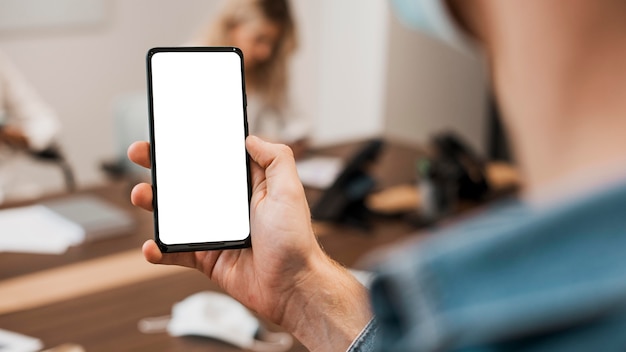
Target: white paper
(14, 342)
(319, 171)
(37, 229)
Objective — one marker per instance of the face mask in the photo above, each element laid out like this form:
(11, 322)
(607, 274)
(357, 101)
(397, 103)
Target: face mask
(434, 18)
(218, 316)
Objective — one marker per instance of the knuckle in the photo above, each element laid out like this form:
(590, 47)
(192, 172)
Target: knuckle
(285, 151)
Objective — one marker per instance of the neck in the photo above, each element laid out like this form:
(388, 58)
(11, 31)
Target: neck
(561, 85)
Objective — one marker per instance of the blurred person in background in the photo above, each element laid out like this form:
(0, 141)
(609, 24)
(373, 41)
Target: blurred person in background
(544, 273)
(26, 122)
(266, 33)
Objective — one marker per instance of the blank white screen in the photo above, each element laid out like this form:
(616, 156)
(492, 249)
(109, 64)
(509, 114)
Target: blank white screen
(200, 157)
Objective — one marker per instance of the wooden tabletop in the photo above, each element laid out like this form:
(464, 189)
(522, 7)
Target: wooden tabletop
(105, 318)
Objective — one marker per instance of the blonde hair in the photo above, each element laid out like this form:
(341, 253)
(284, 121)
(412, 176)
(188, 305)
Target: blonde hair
(269, 78)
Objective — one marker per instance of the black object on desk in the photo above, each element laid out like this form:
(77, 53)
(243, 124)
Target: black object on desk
(344, 201)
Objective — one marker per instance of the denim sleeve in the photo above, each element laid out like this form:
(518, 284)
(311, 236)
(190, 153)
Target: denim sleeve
(512, 279)
(365, 341)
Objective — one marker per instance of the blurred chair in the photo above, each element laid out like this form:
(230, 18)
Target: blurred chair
(54, 155)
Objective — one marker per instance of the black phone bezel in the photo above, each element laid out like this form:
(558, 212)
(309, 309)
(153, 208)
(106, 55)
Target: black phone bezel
(200, 246)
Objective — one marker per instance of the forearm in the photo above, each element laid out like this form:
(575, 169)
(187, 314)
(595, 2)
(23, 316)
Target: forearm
(328, 310)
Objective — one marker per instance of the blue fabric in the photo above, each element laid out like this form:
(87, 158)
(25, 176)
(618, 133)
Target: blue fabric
(365, 341)
(513, 279)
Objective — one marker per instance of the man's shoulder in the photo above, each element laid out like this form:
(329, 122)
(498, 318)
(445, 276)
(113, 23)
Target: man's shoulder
(510, 271)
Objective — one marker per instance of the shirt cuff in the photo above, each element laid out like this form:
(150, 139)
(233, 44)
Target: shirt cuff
(364, 342)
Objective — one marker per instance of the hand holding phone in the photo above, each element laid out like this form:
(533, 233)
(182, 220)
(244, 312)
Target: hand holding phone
(200, 168)
(284, 271)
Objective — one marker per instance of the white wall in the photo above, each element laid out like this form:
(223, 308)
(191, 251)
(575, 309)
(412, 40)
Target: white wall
(357, 72)
(352, 70)
(430, 88)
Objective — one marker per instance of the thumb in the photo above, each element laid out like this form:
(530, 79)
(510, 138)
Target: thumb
(277, 160)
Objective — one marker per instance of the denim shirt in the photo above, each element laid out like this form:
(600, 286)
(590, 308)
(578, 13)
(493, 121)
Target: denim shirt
(512, 279)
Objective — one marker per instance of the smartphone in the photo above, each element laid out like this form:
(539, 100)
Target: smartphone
(200, 167)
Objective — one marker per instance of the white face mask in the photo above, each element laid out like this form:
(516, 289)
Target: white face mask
(434, 18)
(218, 316)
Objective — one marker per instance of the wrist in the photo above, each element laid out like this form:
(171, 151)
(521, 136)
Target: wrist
(328, 307)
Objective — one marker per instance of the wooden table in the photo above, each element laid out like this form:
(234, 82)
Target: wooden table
(106, 320)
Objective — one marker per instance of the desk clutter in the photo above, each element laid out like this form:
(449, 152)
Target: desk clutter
(449, 177)
(406, 198)
(15, 342)
(51, 227)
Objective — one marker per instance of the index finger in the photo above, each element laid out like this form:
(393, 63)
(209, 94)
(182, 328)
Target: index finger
(139, 153)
